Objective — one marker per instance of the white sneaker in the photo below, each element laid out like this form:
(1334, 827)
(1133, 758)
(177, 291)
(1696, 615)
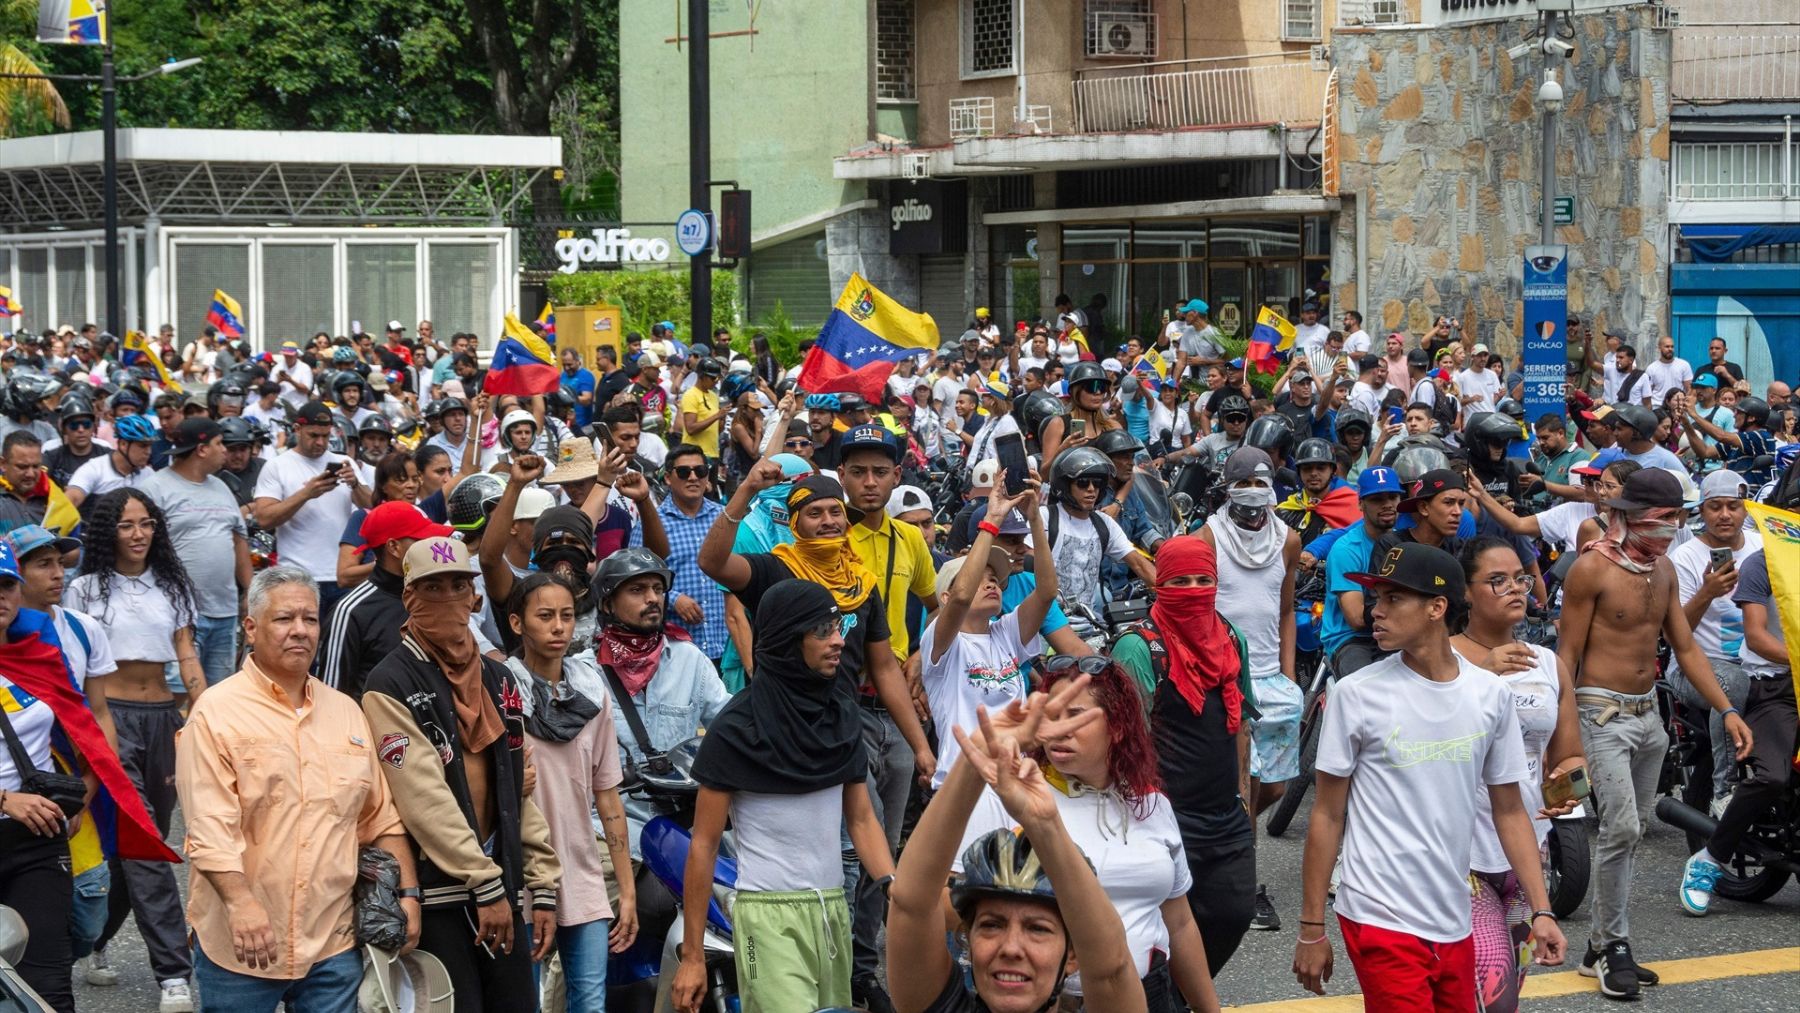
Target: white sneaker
(1717, 809)
(176, 997)
(98, 971)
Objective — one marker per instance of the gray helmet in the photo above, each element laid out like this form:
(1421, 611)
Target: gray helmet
(473, 499)
(1347, 417)
(237, 431)
(1314, 451)
(1273, 434)
(1117, 441)
(1077, 463)
(1414, 461)
(375, 423)
(623, 565)
(26, 392)
(1233, 404)
(1495, 429)
(1086, 371)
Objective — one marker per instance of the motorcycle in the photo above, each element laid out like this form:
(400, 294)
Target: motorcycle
(1770, 852)
(1312, 718)
(15, 995)
(640, 979)
(1100, 627)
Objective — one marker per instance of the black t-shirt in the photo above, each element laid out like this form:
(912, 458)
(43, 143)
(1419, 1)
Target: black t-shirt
(62, 462)
(825, 455)
(956, 997)
(609, 386)
(1199, 764)
(869, 622)
(1300, 415)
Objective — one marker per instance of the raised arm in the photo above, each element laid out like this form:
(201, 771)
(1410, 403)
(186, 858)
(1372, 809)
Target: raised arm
(716, 558)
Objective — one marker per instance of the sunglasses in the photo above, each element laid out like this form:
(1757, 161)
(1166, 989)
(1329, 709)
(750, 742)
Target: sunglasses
(797, 444)
(825, 629)
(1086, 664)
(1087, 483)
(79, 424)
(688, 472)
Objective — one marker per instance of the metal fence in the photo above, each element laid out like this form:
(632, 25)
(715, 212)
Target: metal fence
(1711, 68)
(1198, 93)
(1736, 170)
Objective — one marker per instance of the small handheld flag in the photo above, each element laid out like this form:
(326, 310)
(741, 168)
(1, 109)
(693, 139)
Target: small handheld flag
(136, 348)
(226, 314)
(9, 306)
(866, 333)
(1270, 341)
(546, 319)
(1152, 362)
(523, 363)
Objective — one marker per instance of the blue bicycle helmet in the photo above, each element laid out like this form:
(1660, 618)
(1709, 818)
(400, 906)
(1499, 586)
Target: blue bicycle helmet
(134, 429)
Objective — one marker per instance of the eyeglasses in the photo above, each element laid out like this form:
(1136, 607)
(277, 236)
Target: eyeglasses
(797, 444)
(1503, 586)
(688, 472)
(1085, 664)
(826, 629)
(147, 525)
(79, 424)
(1087, 483)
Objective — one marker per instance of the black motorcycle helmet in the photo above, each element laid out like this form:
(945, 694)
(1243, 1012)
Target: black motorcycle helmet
(74, 405)
(1036, 409)
(28, 389)
(1271, 434)
(1511, 408)
(623, 565)
(1117, 441)
(1486, 430)
(1075, 464)
(375, 423)
(237, 431)
(1233, 404)
(222, 393)
(1354, 418)
(1314, 451)
(1086, 371)
(473, 499)
(1755, 409)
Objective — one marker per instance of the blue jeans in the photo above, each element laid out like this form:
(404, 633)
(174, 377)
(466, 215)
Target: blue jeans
(329, 987)
(216, 642)
(584, 956)
(87, 916)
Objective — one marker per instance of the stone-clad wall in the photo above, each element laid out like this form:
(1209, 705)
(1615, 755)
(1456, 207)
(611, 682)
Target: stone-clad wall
(1440, 135)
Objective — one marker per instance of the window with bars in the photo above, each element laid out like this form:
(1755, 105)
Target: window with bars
(1369, 12)
(987, 38)
(894, 50)
(1300, 21)
(462, 277)
(201, 267)
(299, 285)
(383, 282)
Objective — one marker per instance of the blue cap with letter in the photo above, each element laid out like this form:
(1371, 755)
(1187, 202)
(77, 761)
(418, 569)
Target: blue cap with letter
(1375, 481)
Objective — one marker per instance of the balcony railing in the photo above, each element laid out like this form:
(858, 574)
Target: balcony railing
(1736, 170)
(1750, 67)
(1198, 93)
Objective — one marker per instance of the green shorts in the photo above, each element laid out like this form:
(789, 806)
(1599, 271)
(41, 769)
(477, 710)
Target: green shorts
(793, 950)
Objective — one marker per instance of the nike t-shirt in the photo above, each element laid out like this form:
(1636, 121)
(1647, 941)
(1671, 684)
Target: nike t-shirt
(1417, 753)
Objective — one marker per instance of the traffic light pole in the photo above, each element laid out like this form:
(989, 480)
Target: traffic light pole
(700, 163)
(109, 134)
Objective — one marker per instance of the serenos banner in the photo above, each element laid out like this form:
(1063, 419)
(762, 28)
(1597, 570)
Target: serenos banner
(1546, 330)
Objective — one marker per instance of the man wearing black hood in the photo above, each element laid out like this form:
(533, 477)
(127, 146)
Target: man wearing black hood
(785, 762)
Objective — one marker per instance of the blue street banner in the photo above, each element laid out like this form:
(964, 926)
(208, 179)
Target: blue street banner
(72, 22)
(1546, 330)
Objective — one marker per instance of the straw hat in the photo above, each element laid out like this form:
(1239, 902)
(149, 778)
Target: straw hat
(415, 983)
(575, 461)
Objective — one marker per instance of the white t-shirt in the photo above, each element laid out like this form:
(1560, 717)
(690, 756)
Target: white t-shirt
(1357, 342)
(1309, 337)
(1077, 552)
(98, 477)
(1481, 382)
(1720, 631)
(302, 374)
(1425, 392)
(788, 842)
(1364, 399)
(944, 391)
(991, 430)
(1418, 752)
(92, 661)
(1662, 377)
(32, 721)
(139, 619)
(975, 670)
(1535, 694)
(1610, 378)
(1140, 863)
(309, 539)
(1561, 523)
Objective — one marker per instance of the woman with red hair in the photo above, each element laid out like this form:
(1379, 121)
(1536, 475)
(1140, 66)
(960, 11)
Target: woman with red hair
(1107, 791)
(1190, 666)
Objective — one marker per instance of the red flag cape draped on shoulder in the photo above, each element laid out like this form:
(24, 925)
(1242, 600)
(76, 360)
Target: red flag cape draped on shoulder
(38, 668)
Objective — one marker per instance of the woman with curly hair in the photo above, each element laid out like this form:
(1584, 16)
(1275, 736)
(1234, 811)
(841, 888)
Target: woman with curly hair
(134, 584)
(1108, 792)
(396, 478)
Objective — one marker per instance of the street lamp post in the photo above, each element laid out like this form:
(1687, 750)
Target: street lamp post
(109, 147)
(1550, 97)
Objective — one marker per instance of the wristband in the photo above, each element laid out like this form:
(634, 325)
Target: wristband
(1535, 915)
(1309, 942)
(1727, 712)
(408, 893)
(990, 527)
(735, 520)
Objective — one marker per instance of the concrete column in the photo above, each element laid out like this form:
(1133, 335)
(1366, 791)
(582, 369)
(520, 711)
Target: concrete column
(155, 303)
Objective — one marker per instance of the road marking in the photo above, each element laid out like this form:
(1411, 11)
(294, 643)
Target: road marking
(1785, 960)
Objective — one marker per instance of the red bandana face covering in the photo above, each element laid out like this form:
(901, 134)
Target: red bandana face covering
(1636, 539)
(634, 656)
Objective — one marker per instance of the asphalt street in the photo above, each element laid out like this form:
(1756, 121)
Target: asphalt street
(1741, 957)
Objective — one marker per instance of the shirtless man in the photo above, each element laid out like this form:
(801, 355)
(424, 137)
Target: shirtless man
(1619, 595)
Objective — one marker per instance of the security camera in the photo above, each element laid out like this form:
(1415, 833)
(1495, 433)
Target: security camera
(1557, 47)
(1520, 51)
(1550, 95)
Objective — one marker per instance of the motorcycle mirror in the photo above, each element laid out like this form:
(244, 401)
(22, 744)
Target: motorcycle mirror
(13, 935)
(1183, 503)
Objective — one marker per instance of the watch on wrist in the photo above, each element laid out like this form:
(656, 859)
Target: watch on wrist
(409, 893)
(885, 884)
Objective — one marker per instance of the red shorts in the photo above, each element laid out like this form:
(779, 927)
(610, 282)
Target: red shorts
(1401, 973)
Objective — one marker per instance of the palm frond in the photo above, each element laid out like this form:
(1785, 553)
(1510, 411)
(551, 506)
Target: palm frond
(36, 93)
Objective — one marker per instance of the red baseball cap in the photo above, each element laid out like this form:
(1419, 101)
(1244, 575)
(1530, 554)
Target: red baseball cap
(395, 519)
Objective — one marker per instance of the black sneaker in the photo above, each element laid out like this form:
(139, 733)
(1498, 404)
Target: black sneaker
(1618, 973)
(868, 994)
(1645, 976)
(1265, 919)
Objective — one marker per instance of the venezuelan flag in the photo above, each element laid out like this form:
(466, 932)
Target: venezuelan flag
(1078, 336)
(226, 315)
(1152, 362)
(9, 306)
(866, 333)
(136, 349)
(547, 320)
(523, 363)
(1270, 340)
(1781, 550)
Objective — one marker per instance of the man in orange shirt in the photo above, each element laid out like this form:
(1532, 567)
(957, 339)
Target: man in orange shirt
(281, 785)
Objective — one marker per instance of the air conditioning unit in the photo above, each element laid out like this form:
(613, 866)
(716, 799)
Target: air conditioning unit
(1319, 57)
(1125, 38)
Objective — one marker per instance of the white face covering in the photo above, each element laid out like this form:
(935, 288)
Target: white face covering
(1253, 496)
(1248, 531)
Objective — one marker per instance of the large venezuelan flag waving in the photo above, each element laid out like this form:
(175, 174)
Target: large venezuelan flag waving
(866, 333)
(1270, 340)
(523, 363)
(1781, 553)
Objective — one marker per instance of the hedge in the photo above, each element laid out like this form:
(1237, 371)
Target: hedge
(647, 297)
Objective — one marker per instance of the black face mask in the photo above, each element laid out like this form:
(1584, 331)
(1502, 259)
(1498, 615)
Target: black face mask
(1249, 518)
(575, 579)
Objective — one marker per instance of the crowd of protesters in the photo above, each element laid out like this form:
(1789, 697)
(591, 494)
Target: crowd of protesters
(339, 605)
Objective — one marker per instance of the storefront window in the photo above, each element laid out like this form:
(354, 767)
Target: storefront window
(300, 305)
(383, 283)
(200, 268)
(1249, 237)
(462, 288)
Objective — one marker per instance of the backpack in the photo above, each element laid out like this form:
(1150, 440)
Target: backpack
(1051, 528)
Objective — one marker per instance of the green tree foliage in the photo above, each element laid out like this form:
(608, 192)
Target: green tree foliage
(646, 297)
